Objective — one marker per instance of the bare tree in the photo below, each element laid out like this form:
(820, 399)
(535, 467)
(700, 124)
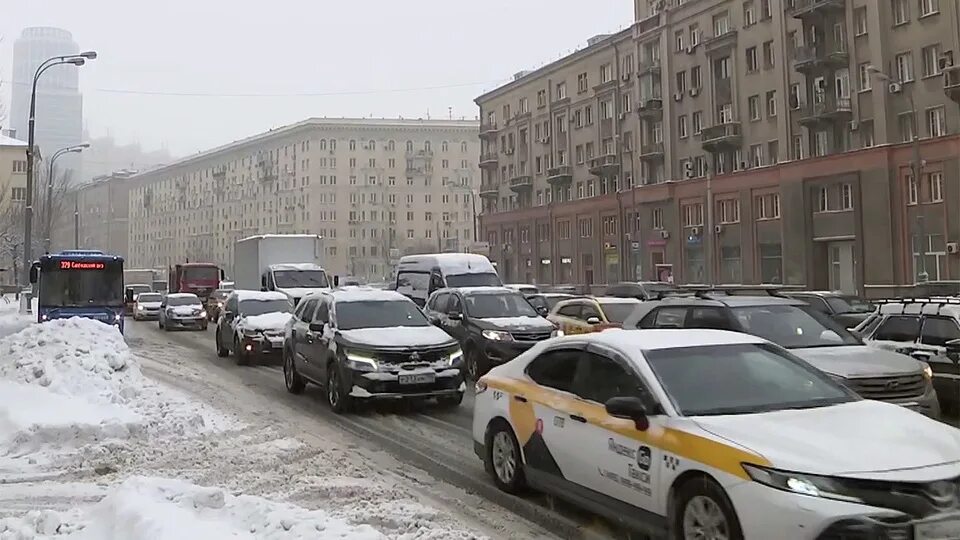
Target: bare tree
(58, 204)
(3, 106)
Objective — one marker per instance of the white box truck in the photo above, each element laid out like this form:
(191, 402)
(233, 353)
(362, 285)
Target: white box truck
(289, 263)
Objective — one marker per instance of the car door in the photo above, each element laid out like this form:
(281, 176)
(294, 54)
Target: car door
(319, 341)
(456, 327)
(436, 308)
(664, 317)
(936, 331)
(619, 460)
(299, 335)
(230, 317)
(567, 316)
(589, 311)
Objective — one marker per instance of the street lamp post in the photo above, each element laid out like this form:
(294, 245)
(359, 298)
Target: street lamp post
(916, 168)
(48, 209)
(76, 60)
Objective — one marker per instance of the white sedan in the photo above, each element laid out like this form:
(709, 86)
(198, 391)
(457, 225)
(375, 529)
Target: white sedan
(716, 435)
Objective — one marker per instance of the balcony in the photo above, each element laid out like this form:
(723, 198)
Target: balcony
(803, 9)
(489, 191)
(648, 67)
(488, 129)
(489, 159)
(522, 183)
(560, 176)
(720, 44)
(810, 59)
(604, 166)
(419, 154)
(722, 137)
(650, 108)
(651, 152)
(825, 112)
(951, 83)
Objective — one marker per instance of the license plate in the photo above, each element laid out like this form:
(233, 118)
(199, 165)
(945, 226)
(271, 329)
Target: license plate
(277, 343)
(937, 530)
(418, 378)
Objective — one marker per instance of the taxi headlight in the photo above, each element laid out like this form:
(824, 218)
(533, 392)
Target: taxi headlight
(802, 484)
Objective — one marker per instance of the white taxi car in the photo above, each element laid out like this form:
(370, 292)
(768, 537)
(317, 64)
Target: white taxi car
(713, 434)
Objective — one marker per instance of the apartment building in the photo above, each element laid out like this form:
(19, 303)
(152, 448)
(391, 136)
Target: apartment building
(94, 215)
(733, 141)
(374, 188)
(13, 193)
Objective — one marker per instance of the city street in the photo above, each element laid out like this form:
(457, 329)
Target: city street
(434, 447)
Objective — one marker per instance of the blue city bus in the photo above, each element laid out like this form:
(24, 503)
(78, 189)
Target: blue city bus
(79, 283)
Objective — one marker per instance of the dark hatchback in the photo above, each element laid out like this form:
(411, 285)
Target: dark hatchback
(364, 344)
(492, 324)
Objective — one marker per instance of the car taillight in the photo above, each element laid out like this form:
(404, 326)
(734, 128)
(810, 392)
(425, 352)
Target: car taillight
(480, 387)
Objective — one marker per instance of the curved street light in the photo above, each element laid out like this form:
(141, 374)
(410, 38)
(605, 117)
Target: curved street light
(48, 214)
(73, 59)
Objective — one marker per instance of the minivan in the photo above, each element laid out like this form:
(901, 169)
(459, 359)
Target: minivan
(419, 275)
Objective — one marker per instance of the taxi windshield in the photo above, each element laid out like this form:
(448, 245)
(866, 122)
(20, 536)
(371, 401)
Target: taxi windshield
(741, 379)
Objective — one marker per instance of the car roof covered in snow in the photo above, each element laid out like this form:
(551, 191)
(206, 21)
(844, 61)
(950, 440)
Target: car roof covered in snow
(635, 340)
(183, 295)
(449, 263)
(295, 266)
(260, 295)
(366, 294)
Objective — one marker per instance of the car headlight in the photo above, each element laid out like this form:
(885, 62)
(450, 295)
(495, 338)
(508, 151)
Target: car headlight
(802, 484)
(455, 357)
(360, 361)
(927, 371)
(117, 317)
(557, 333)
(250, 332)
(203, 313)
(497, 335)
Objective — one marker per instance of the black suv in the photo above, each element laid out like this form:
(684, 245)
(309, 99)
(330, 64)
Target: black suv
(846, 309)
(492, 324)
(362, 344)
(641, 290)
(811, 335)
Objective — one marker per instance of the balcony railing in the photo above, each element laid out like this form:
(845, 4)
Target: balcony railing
(826, 110)
(808, 57)
(489, 190)
(604, 165)
(807, 8)
(651, 151)
(488, 129)
(560, 175)
(720, 136)
(489, 159)
(650, 108)
(520, 183)
(721, 42)
(648, 66)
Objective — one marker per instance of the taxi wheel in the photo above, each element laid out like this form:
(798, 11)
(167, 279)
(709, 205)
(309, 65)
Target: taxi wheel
(504, 462)
(704, 511)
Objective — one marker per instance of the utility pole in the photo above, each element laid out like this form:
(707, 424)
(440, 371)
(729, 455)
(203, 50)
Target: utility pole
(76, 220)
(710, 234)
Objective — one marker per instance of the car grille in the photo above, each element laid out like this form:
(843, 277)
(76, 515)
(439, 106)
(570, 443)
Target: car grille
(889, 388)
(531, 336)
(425, 357)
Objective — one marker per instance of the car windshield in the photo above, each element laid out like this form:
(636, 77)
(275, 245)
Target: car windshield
(538, 302)
(293, 279)
(489, 306)
(379, 314)
(137, 289)
(741, 379)
(183, 301)
(488, 279)
(849, 304)
(793, 327)
(617, 312)
(259, 307)
(149, 297)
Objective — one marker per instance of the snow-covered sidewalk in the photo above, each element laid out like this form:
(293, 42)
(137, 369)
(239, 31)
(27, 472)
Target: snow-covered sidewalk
(91, 449)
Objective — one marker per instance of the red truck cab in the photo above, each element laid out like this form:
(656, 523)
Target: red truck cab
(200, 279)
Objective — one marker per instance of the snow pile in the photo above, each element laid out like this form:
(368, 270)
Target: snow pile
(11, 320)
(165, 509)
(75, 381)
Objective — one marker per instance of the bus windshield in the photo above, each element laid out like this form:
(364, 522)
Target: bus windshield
(81, 288)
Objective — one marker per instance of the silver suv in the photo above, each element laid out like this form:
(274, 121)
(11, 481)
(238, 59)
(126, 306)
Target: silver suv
(882, 375)
(922, 328)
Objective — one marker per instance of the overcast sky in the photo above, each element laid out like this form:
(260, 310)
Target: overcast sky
(383, 57)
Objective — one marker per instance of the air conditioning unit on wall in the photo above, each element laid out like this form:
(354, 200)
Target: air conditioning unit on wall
(895, 88)
(664, 235)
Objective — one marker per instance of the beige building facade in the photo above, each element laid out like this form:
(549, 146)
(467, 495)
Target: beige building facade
(691, 146)
(373, 188)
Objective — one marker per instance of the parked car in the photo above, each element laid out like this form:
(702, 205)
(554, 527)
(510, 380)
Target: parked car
(524, 289)
(922, 328)
(713, 434)
(363, 344)
(584, 315)
(215, 303)
(641, 290)
(252, 324)
(544, 302)
(147, 306)
(847, 309)
(806, 332)
(182, 310)
(492, 324)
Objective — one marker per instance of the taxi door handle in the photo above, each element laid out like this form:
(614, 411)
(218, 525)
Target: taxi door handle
(578, 418)
(521, 399)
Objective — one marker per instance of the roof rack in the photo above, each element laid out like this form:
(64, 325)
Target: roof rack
(703, 291)
(942, 300)
(660, 295)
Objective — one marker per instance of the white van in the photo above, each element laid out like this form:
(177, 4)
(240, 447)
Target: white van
(419, 275)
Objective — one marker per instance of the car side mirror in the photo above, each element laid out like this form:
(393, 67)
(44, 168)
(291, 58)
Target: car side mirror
(593, 320)
(317, 326)
(543, 311)
(953, 349)
(455, 316)
(629, 408)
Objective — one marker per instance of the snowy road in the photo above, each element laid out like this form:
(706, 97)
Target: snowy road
(403, 443)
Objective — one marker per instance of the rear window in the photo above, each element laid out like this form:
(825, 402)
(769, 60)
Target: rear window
(938, 331)
(899, 328)
(617, 312)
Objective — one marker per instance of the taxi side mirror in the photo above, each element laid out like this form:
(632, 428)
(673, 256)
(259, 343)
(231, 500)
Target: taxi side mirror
(629, 408)
(593, 320)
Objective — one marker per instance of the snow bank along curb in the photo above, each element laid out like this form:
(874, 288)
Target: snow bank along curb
(11, 320)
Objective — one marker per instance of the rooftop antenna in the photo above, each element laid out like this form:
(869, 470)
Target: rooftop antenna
(450, 112)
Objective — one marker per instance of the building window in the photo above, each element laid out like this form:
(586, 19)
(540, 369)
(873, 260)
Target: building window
(606, 110)
(696, 80)
(585, 225)
(768, 206)
(904, 63)
(936, 122)
(541, 98)
(935, 186)
(725, 113)
(846, 197)
(901, 12)
(524, 107)
(694, 35)
(692, 215)
(729, 210)
(19, 165)
(18, 193)
(682, 126)
(697, 122)
(627, 64)
(606, 73)
(934, 258)
(773, 152)
(769, 58)
(822, 143)
(796, 147)
(771, 263)
(823, 200)
(656, 217)
(749, 13)
(678, 40)
(796, 97)
(756, 155)
(905, 122)
(929, 7)
(772, 104)
(931, 60)
(582, 83)
(561, 91)
(721, 24)
(721, 67)
(860, 21)
(912, 191)
(753, 106)
(681, 81)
